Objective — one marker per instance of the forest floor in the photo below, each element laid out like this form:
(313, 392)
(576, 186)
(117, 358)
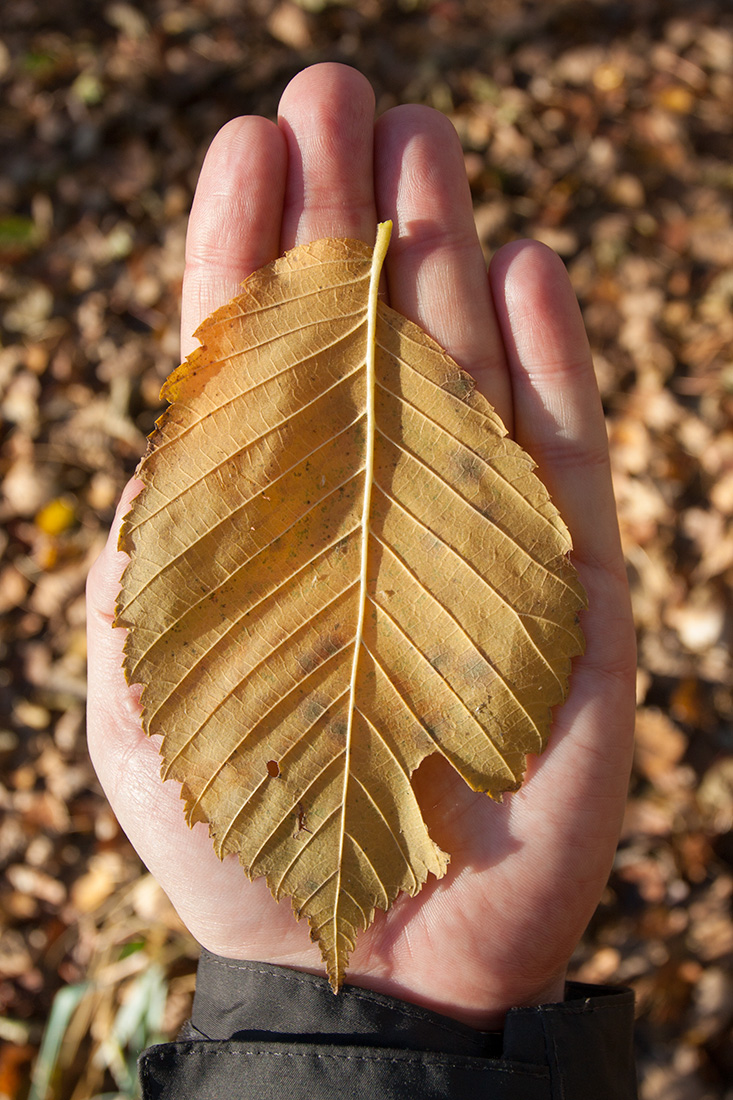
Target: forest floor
(602, 127)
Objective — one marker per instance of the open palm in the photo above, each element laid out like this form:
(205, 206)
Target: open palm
(525, 875)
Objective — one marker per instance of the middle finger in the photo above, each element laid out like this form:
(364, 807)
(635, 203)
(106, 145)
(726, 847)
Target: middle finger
(327, 115)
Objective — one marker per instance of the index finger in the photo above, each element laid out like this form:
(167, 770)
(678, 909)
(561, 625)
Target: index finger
(235, 220)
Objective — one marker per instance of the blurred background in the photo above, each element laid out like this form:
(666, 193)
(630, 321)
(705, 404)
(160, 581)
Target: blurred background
(602, 127)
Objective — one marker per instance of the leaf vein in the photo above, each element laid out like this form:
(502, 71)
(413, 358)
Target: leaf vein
(449, 688)
(542, 566)
(510, 607)
(499, 675)
(495, 470)
(391, 831)
(251, 443)
(250, 673)
(280, 699)
(300, 298)
(230, 515)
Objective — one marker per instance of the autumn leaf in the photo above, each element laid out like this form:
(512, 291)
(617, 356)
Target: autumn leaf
(339, 565)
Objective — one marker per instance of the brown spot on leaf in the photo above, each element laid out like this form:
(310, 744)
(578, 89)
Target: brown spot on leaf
(332, 644)
(470, 465)
(339, 729)
(313, 710)
(308, 661)
(462, 386)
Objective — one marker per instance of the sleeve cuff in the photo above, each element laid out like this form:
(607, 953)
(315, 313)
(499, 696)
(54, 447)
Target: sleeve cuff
(264, 1031)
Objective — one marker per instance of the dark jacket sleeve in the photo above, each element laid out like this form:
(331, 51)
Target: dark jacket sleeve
(262, 1032)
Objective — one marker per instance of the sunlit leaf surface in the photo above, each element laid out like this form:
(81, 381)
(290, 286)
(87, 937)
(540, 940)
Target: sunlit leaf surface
(340, 564)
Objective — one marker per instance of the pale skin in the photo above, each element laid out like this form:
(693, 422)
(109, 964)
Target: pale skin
(525, 875)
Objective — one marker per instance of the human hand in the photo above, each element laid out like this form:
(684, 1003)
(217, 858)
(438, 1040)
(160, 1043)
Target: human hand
(526, 875)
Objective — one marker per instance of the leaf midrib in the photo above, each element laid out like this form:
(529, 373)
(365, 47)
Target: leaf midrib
(384, 232)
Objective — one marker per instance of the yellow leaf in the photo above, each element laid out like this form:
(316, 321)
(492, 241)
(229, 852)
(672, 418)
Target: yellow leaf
(340, 564)
(56, 516)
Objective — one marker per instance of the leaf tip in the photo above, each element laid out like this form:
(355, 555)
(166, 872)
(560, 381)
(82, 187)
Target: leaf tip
(335, 982)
